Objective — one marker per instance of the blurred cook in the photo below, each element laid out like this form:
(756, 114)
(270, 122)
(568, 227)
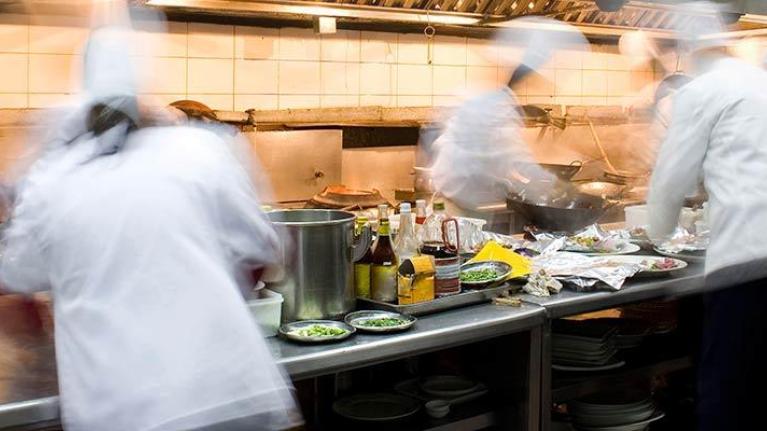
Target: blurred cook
(718, 131)
(482, 156)
(139, 233)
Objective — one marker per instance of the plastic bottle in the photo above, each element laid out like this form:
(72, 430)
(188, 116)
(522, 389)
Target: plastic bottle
(406, 245)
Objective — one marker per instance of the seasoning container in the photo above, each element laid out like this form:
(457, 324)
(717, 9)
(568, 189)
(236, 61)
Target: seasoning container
(362, 266)
(415, 280)
(406, 245)
(383, 269)
(437, 244)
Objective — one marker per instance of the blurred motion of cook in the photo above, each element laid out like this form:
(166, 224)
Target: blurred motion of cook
(481, 156)
(139, 229)
(718, 131)
(198, 114)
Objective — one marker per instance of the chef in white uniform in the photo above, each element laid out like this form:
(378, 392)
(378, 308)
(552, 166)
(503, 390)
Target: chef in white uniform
(141, 234)
(718, 131)
(482, 147)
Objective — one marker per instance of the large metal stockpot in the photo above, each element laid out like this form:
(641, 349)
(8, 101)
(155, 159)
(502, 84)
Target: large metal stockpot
(320, 250)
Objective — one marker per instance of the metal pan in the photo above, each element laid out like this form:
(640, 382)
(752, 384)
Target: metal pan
(502, 271)
(357, 320)
(578, 211)
(288, 331)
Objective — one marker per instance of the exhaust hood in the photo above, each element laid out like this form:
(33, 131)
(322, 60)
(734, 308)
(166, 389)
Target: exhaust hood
(594, 17)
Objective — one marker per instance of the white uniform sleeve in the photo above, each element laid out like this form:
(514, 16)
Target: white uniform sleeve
(247, 235)
(23, 268)
(679, 164)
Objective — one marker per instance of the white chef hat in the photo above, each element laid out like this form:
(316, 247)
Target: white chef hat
(532, 41)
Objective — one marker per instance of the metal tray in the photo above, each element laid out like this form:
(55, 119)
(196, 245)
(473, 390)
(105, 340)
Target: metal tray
(286, 331)
(355, 319)
(469, 297)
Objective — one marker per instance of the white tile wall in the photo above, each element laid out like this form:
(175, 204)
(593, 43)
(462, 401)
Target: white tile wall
(256, 76)
(256, 43)
(242, 67)
(14, 33)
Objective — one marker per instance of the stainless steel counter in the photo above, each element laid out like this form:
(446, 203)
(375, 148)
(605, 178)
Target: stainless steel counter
(434, 332)
(568, 302)
(28, 385)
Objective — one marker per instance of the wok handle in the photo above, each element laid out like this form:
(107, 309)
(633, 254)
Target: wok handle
(445, 237)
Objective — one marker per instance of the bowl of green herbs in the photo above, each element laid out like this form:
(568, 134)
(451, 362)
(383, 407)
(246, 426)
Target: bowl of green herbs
(477, 275)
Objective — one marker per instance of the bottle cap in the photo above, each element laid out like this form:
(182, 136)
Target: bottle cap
(404, 207)
(420, 203)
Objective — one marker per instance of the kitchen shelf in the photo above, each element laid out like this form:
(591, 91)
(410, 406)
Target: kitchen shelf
(568, 388)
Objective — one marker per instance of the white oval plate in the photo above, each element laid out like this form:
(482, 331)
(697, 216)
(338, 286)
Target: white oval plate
(638, 259)
(628, 248)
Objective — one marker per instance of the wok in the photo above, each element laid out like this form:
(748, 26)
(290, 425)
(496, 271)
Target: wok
(603, 189)
(577, 211)
(563, 172)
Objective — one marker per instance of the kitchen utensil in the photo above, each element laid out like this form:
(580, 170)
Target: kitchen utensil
(563, 172)
(625, 248)
(357, 319)
(602, 189)
(448, 386)
(649, 272)
(588, 368)
(449, 302)
(575, 212)
(502, 271)
(288, 331)
(339, 197)
(635, 426)
(266, 308)
(687, 256)
(319, 251)
(441, 408)
(381, 407)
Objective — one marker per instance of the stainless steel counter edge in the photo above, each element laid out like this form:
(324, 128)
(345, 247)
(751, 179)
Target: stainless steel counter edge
(568, 302)
(435, 332)
(29, 412)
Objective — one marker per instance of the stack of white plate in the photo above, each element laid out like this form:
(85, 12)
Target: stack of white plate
(584, 346)
(600, 414)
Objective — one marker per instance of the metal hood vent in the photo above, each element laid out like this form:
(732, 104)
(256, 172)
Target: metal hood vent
(649, 15)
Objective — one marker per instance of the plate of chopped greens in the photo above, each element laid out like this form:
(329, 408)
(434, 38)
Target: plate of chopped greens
(379, 321)
(316, 331)
(476, 275)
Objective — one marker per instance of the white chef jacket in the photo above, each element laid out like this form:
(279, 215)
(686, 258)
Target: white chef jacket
(718, 131)
(140, 250)
(481, 144)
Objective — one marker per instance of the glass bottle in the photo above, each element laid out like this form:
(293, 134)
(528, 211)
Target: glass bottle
(446, 258)
(362, 266)
(383, 269)
(406, 245)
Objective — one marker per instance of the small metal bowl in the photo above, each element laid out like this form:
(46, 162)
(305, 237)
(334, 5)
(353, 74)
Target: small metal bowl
(502, 271)
(357, 318)
(287, 331)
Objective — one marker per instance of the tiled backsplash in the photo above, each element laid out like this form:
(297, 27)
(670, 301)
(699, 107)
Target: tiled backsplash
(235, 67)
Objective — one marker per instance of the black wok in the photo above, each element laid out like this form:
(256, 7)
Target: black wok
(577, 212)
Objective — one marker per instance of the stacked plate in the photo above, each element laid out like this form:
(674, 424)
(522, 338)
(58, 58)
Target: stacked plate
(613, 412)
(584, 346)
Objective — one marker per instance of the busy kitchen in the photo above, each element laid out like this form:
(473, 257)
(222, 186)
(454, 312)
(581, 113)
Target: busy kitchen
(428, 215)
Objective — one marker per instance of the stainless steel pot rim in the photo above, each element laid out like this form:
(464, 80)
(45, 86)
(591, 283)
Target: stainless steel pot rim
(349, 217)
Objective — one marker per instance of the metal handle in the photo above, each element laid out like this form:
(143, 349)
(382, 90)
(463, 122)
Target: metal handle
(361, 243)
(445, 237)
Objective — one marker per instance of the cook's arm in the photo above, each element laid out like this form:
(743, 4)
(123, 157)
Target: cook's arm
(22, 267)
(679, 164)
(245, 232)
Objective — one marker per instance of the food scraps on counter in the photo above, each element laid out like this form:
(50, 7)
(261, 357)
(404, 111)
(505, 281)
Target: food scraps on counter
(542, 284)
